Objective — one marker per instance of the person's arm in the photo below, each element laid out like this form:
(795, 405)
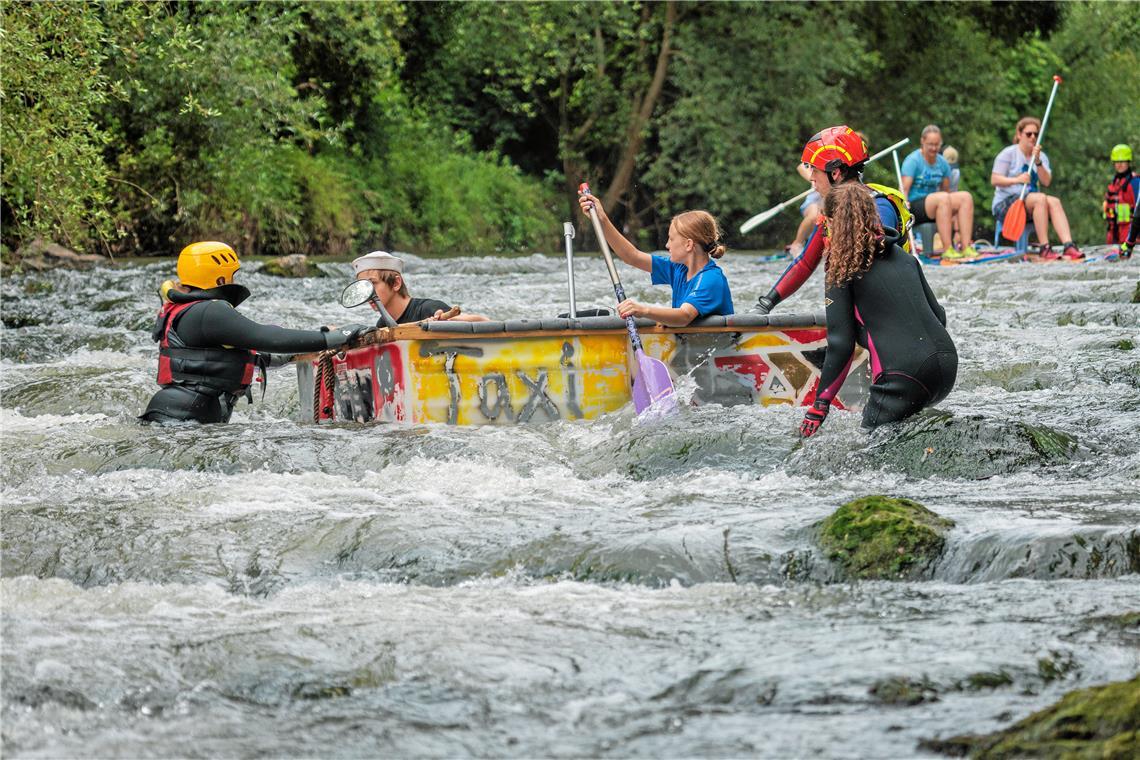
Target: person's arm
(907, 183)
(1041, 166)
(216, 323)
(1001, 168)
(665, 315)
(797, 272)
(841, 331)
(622, 248)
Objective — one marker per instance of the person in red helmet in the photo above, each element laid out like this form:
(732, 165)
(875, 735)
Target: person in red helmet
(834, 156)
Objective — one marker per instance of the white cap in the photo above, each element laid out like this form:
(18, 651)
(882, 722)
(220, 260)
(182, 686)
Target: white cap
(377, 260)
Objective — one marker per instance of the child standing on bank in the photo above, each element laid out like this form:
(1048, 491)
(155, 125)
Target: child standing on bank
(1120, 202)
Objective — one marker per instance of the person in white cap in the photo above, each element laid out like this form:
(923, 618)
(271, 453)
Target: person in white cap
(386, 272)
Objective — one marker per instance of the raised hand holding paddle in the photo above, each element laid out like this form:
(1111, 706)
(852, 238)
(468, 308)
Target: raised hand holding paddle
(652, 384)
(1014, 223)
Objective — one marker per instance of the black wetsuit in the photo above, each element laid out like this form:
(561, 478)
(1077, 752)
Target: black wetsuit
(206, 347)
(420, 309)
(891, 311)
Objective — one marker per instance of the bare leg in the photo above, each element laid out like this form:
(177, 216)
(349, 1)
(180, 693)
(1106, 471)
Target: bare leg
(963, 204)
(938, 208)
(1035, 204)
(1060, 221)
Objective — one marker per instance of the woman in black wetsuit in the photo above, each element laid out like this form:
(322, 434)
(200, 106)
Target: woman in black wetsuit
(207, 351)
(876, 295)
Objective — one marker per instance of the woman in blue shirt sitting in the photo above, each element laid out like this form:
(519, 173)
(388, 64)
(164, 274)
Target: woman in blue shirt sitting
(700, 288)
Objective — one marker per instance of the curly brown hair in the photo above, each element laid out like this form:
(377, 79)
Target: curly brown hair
(854, 232)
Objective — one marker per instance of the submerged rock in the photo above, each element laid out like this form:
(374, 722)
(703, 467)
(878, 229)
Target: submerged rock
(972, 446)
(883, 538)
(295, 265)
(1098, 722)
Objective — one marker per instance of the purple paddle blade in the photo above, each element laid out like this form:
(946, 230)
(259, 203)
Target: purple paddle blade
(652, 385)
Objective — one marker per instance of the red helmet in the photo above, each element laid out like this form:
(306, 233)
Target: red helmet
(833, 148)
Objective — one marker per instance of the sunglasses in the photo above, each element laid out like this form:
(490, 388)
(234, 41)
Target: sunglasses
(1029, 134)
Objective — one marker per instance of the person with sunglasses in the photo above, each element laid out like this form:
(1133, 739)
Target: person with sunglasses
(1011, 171)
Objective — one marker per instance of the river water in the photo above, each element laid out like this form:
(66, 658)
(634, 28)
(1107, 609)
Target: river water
(586, 588)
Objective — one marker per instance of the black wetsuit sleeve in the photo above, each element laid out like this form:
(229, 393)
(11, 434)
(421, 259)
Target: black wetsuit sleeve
(842, 328)
(934, 305)
(215, 323)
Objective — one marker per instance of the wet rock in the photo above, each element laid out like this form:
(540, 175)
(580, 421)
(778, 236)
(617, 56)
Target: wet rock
(1097, 722)
(295, 265)
(938, 443)
(883, 538)
(903, 691)
(986, 680)
(42, 254)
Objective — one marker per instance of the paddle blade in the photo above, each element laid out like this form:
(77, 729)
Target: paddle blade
(652, 385)
(1014, 223)
(759, 219)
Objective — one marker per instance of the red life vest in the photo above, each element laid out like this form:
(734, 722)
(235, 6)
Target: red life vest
(229, 370)
(1119, 201)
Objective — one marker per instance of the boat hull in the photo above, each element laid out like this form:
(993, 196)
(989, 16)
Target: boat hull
(569, 371)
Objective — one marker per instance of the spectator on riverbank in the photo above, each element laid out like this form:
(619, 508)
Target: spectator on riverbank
(926, 183)
(1024, 163)
(1121, 201)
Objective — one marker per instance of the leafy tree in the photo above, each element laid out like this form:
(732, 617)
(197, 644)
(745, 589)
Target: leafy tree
(751, 83)
(567, 84)
(54, 178)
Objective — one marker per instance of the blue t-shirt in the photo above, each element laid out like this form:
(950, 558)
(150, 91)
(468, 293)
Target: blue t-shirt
(707, 292)
(927, 178)
(888, 214)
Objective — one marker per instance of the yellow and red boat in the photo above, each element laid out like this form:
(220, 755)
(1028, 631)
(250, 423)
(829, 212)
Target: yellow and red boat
(536, 370)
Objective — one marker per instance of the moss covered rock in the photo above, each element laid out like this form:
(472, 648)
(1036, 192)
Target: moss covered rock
(1099, 722)
(296, 265)
(880, 538)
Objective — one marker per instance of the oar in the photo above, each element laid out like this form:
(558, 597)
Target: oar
(652, 385)
(1014, 223)
(764, 216)
(909, 232)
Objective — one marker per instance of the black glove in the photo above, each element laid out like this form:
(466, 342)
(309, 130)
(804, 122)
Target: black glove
(346, 334)
(764, 304)
(1126, 250)
(814, 417)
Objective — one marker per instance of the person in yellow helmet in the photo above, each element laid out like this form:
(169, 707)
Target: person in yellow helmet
(1122, 202)
(207, 351)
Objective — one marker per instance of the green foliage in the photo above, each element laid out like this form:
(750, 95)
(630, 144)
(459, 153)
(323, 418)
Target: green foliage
(320, 127)
(54, 178)
(878, 537)
(731, 136)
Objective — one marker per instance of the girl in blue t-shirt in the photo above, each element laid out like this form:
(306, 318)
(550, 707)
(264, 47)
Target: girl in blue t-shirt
(700, 288)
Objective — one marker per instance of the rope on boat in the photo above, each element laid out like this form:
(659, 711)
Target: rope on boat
(324, 376)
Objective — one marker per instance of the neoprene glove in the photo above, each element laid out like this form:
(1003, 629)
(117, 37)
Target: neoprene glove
(764, 304)
(814, 417)
(338, 337)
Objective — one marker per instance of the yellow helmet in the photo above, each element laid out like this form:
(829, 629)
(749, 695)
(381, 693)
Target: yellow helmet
(207, 264)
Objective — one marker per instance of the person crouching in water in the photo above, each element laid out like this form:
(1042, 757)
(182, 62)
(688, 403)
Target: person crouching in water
(207, 351)
(700, 288)
(876, 295)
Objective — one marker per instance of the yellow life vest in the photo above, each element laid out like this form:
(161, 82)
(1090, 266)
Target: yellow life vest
(902, 208)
